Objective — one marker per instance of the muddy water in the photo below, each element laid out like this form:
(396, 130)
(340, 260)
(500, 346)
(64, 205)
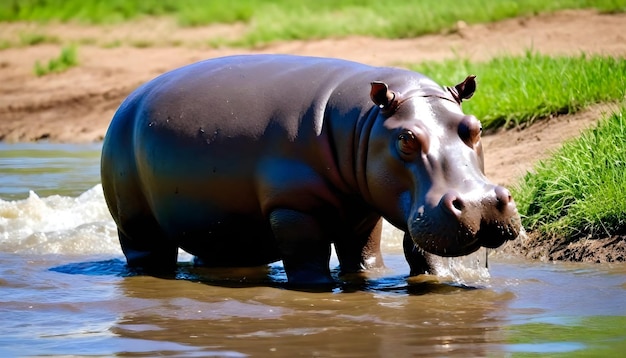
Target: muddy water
(65, 291)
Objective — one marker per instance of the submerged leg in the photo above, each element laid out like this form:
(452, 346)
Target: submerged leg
(303, 246)
(154, 254)
(418, 260)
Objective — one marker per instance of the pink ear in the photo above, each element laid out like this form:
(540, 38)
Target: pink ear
(381, 95)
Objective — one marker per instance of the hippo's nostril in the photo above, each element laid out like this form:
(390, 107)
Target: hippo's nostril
(457, 203)
(503, 196)
(452, 203)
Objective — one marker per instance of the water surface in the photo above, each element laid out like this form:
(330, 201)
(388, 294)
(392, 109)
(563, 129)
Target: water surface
(47, 169)
(67, 292)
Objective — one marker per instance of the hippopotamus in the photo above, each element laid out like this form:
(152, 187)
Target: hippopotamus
(246, 160)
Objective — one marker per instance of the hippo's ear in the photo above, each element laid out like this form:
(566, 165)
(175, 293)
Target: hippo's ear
(465, 89)
(381, 95)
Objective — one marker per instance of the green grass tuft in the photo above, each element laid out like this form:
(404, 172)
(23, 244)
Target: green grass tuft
(31, 39)
(67, 58)
(517, 90)
(581, 190)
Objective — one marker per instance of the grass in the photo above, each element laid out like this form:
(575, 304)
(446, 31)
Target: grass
(392, 19)
(581, 190)
(66, 59)
(276, 20)
(517, 90)
(31, 39)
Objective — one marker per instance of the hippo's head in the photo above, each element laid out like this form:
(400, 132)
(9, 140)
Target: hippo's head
(425, 171)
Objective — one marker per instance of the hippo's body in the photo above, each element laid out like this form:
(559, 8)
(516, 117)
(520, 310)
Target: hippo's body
(246, 160)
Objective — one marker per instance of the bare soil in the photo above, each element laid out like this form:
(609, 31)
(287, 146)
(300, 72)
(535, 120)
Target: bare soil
(77, 105)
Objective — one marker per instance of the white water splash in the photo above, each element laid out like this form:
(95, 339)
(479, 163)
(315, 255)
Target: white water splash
(471, 269)
(58, 225)
(468, 270)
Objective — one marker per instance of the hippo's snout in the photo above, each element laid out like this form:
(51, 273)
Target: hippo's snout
(497, 202)
(462, 223)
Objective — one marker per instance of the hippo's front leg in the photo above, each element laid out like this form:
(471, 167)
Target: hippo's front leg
(418, 260)
(303, 245)
(359, 250)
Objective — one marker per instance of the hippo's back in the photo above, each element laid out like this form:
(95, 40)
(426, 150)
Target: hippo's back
(242, 95)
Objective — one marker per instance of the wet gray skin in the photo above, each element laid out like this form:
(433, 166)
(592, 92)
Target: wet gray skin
(246, 160)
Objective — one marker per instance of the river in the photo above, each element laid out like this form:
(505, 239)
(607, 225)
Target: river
(65, 291)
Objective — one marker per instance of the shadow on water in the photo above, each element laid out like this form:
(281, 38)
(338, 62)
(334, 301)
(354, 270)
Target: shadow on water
(271, 276)
(112, 267)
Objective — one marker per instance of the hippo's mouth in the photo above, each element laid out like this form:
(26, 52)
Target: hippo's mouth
(452, 238)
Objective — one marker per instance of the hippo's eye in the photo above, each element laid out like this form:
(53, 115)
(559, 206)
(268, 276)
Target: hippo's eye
(470, 130)
(407, 144)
